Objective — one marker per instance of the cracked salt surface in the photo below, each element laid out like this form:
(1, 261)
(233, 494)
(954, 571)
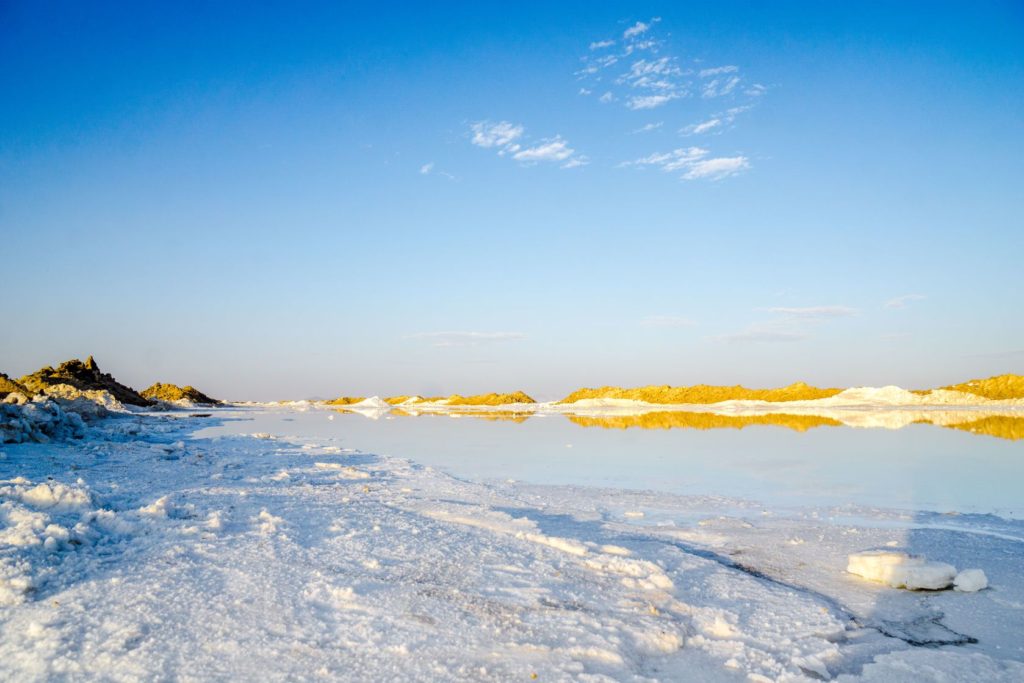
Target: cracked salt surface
(296, 557)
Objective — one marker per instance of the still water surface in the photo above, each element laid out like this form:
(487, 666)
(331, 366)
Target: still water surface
(918, 467)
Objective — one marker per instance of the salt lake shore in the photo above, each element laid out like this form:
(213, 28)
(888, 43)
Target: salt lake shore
(133, 549)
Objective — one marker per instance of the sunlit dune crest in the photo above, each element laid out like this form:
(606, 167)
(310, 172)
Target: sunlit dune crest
(345, 400)
(684, 420)
(1000, 387)
(703, 394)
(491, 399)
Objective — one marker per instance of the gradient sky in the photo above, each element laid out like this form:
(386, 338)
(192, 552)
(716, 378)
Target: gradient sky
(308, 200)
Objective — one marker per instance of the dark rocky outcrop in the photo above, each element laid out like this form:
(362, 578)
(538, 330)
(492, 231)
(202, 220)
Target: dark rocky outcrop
(85, 376)
(9, 386)
(172, 392)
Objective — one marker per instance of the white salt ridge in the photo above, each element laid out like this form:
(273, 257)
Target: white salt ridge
(39, 420)
(900, 570)
(372, 402)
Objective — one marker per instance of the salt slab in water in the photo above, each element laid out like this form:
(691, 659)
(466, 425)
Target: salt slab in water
(900, 570)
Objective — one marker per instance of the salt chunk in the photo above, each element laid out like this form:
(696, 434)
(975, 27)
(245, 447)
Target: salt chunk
(970, 581)
(900, 570)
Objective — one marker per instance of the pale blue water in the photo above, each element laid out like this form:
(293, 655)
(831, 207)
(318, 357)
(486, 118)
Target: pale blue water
(920, 467)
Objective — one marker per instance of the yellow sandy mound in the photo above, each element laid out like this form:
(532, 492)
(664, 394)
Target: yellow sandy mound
(703, 394)
(682, 420)
(172, 392)
(996, 388)
(345, 400)
(491, 399)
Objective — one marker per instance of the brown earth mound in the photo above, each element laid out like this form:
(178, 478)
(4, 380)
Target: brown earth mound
(84, 377)
(172, 392)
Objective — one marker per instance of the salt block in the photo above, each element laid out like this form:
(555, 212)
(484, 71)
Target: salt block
(900, 570)
(970, 581)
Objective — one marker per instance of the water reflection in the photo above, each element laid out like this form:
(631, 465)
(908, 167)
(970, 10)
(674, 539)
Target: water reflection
(489, 415)
(1003, 425)
(702, 420)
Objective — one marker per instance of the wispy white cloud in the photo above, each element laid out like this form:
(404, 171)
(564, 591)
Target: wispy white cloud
(667, 321)
(649, 101)
(446, 339)
(789, 324)
(902, 301)
(585, 91)
(702, 127)
(694, 162)
(639, 28)
(555, 149)
(716, 122)
(488, 134)
(430, 168)
(641, 72)
(716, 169)
(648, 128)
(718, 71)
(760, 334)
(719, 87)
(508, 139)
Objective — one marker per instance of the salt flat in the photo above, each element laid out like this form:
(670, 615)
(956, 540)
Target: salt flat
(150, 551)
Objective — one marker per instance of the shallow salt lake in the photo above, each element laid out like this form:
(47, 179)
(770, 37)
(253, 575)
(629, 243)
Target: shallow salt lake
(918, 467)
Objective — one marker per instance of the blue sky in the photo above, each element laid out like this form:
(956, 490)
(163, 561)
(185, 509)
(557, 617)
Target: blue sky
(275, 202)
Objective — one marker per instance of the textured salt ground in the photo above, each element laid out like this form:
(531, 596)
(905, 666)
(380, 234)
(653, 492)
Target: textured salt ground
(252, 557)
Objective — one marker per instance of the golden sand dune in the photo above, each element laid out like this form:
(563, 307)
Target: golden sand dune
(172, 392)
(703, 394)
(491, 399)
(684, 420)
(1000, 387)
(345, 400)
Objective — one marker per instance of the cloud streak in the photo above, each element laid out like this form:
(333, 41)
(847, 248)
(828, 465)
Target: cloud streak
(902, 301)
(791, 324)
(449, 339)
(694, 162)
(667, 321)
(814, 312)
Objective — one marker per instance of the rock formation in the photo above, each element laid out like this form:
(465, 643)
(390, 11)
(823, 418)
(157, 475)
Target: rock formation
(85, 376)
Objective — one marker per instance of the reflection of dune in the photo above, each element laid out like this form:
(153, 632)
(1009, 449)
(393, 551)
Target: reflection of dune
(493, 415)
(1004, 425)
(490, 415)
(683, 420)
(1001, 426)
